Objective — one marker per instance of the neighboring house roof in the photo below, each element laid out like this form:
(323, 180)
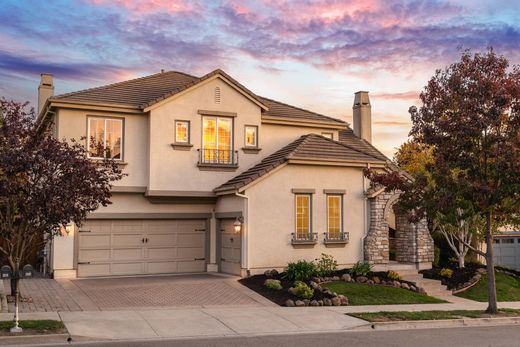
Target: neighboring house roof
(310, 147)
(144, 92)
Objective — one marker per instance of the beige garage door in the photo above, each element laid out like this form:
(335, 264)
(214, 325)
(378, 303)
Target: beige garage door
(135, 247)
(230, 248)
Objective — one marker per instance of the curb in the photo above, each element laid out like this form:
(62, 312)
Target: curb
(441, 323)
(49, 339)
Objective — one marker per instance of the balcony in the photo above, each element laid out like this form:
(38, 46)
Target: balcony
(304, 239)
(335, 238)
(217, 158)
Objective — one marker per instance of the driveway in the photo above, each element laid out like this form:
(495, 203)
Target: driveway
(200, 290)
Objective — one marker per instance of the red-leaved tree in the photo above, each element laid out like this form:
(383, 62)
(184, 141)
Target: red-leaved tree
(44, 183)
(470, 117)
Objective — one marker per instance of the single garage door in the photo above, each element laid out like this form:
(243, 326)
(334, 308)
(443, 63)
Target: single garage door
(136, 247)
(507, 252)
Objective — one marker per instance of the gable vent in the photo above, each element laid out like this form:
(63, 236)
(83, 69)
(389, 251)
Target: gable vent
(217, 95)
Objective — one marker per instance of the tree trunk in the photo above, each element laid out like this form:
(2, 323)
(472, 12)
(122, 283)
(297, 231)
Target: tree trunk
(491, 286)
(461, 261)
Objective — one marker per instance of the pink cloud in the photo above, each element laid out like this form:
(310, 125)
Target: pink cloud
(148, 6)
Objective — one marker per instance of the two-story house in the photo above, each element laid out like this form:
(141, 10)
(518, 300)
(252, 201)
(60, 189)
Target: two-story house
(221, 179)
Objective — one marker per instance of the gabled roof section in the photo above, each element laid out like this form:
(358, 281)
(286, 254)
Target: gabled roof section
(347, 137)
(132, 93)
(281, 110)
(310, 147)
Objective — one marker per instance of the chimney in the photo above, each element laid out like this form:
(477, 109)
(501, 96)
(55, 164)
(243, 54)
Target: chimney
(45, 90)
(362, 112)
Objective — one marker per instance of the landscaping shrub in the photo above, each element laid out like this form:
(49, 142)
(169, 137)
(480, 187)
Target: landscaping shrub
(394, 276)
(326, 265)
(436, 256)
(445, 272)
(302, 270)
(273, 284)
(361, 268)
(302, 290)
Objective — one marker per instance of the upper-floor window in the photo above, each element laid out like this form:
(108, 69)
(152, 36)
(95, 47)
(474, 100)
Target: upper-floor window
(105, 137)
(217, 140)
(251, 136)
(334, 216)
(328, 135)
(182, 131)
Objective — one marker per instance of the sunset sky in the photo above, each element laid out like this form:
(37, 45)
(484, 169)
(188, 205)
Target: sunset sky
(312, 54)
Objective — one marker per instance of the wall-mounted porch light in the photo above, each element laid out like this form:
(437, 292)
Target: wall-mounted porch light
(238, 224)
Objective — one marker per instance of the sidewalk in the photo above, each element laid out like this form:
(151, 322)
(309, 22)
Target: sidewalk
(226, 321)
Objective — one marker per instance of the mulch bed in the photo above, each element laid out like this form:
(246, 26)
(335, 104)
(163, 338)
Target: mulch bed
(279, 297)
(459, 277)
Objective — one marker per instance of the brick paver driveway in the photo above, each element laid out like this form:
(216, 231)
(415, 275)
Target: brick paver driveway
(202, 290)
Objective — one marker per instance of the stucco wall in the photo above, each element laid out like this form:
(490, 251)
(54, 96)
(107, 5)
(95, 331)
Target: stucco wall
(272, 215)
(72, 124)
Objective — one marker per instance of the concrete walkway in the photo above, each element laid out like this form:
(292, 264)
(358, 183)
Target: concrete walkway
(224, 321)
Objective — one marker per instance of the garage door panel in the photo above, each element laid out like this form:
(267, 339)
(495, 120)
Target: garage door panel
(94, 241)
(162, 267)
(116, 247)
(190, 253)
(191, 266)
(190, 240)
(156, 239)
(93, 255)
(127, 254)
(127, 240)
(162, 253)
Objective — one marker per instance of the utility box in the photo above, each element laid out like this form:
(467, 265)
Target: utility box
(5, 272)
(28, 271)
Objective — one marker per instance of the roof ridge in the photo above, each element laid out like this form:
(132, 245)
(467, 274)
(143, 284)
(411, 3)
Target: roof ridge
(302, 141)
(117, 83)
(366, 143)
(345, 145)
(305, 110)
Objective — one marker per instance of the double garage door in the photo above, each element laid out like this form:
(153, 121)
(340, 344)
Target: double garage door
(507, 252)
(138, 247)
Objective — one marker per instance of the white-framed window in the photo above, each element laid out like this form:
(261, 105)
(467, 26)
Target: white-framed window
(105, 138)
(182, 131)
(334, 216)
(251, 136)
(303, 209)
(328, 135)
(217, 139)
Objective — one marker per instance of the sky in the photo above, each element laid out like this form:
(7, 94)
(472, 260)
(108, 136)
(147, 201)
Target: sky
(312, 54)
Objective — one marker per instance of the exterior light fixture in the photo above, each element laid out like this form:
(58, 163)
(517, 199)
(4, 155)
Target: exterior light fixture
(238, 224)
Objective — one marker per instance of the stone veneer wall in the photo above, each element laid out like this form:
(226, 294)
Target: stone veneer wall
(414, 243)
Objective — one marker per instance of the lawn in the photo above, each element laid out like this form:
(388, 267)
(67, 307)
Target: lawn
(365, 294)
(430, 315)
(34, 327)
(508, 289)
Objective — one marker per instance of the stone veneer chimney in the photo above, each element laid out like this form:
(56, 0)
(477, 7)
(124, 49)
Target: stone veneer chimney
(45, 90)
(362, 112)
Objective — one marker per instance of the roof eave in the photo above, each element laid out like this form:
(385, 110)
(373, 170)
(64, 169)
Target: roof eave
(281, 120)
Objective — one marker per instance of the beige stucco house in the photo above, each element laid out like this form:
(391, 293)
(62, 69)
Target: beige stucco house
(223, 180)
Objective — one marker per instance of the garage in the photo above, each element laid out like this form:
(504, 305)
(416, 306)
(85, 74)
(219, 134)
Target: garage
(507, 251)
(230, 248)
(141, 247)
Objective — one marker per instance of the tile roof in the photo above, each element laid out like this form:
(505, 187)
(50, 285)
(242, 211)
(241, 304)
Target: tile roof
(307, 147)
(348, 137)
(143, 92)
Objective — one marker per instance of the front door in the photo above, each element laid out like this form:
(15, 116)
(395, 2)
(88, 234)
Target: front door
(230, 248)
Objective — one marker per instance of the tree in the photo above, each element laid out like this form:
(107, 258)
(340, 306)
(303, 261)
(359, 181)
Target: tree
(44, 184)
(470, 116)
(415, 158)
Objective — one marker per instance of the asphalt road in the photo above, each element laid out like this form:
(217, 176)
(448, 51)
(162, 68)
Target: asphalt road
(453, 337)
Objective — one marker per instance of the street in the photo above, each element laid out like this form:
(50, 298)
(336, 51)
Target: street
(459, 337)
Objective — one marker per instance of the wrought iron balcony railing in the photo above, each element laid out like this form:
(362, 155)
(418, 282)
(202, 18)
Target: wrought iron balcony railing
(304, 239)
(218, 157)
(341, 237)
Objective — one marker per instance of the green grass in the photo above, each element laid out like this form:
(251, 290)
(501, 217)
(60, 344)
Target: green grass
(429, 315)
(508, 289)
(365, 294)
(39, 325)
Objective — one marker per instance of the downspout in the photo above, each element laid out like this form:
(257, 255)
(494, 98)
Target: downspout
(245, 230)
